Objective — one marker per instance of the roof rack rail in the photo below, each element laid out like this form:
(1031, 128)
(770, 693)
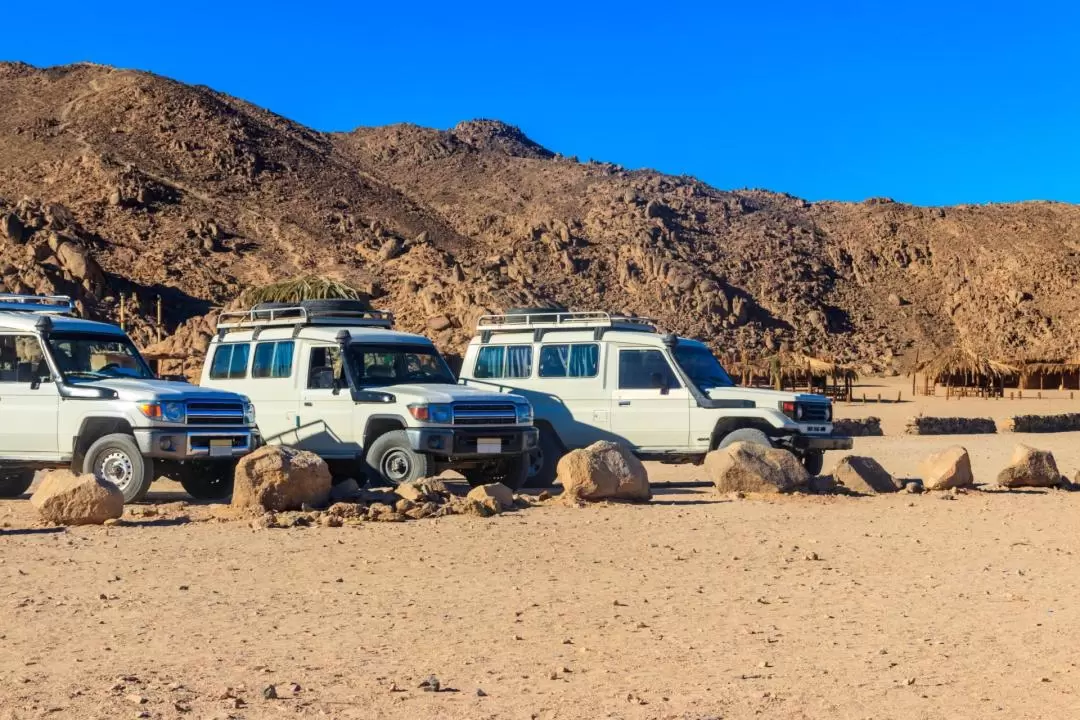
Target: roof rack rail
(298, 317)
(41, 304)
(540, 323)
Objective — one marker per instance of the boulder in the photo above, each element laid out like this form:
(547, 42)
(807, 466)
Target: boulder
(12, 228)
(604, 470)
(1030, 468)
(78, 262)
(749, 467)
(439, 322)
(495, 496)
(947, 469)
(279, 478)
(864, 475)
(65, 498)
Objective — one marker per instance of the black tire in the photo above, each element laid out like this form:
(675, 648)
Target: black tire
(512, 472)
(813, 462)
(391, 460)
(14, 483)
(544, 460)
(116, 458)
(748, 435)
(210, 480)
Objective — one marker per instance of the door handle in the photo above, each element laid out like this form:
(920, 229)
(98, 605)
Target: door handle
(624, 403)
(307, 403)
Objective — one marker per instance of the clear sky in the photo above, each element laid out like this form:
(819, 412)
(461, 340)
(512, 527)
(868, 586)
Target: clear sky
(925, 102)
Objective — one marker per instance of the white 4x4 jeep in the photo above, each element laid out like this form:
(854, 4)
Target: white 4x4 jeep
(333, 377)
(76, 393)
(594, 376)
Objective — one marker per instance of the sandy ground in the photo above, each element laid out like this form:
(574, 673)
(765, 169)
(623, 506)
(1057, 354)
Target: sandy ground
(694, 606)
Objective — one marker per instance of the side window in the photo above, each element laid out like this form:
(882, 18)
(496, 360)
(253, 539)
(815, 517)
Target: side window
(230, 362)
(489, 362)
(645, 370)
(518, 361)
(21, 359)
(273, 360)
(324, 367)
(577, 361)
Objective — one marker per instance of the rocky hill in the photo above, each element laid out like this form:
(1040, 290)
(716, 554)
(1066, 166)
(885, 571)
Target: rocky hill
(124, 183)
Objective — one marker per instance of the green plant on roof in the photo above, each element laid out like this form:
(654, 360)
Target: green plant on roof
(309, 287)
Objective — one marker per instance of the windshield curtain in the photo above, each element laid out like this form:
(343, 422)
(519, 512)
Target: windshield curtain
(378, 365)
(702, 367)
(80, 356)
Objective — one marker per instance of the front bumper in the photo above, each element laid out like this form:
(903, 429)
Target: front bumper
(816, 443)
(184, 444)
(466, 443)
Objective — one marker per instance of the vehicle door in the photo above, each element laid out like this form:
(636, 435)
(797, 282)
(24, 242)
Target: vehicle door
(272, 387)
(325, 419)
(650, 407)
(29, 399)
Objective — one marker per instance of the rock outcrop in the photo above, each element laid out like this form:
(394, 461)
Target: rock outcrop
(923, 425)
(749, 467)
(64, 498)
(864, 475)
(1030, 468)
(603, 471)
(950, 468)
(278, 478)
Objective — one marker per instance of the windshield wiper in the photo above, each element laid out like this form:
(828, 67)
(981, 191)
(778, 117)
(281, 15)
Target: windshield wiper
(85, 373)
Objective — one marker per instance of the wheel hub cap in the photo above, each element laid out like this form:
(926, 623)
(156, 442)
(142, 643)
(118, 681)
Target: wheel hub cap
(396, 465)
(117, 468)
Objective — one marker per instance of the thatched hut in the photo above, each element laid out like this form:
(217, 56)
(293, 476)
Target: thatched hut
(1049, 374)
(965, 369)
(798, 370)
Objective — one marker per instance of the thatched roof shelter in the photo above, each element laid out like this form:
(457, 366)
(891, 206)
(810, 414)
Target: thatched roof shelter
(793, 364)
(962, 362)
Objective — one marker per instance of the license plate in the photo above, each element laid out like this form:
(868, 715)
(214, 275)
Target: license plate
(489, 446)
(221, 447)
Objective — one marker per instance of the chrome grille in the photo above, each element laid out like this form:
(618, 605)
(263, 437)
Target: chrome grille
(815, 412)
(208, 412)
(485, 414)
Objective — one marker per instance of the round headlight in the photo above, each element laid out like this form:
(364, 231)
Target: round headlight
(249, 413)
(173, 412)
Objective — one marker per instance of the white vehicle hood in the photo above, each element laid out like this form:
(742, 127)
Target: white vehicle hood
(440, 393)
(152, 389)
(763, 397)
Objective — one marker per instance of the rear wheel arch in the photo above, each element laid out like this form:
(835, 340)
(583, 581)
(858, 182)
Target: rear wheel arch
(546, 427)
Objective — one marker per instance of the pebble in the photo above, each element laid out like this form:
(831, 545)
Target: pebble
(431, 684)
(135, 699)
(270, 693)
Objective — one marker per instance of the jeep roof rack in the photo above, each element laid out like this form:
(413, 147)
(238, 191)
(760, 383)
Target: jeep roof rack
(41, 304)
(542, 322)
(297, 317)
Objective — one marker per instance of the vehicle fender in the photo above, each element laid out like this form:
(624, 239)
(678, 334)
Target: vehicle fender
(381, 424)
(93, 428)
(727, 425)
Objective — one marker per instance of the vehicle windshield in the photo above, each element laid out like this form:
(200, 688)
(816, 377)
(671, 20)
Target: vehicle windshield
(82, 357)
(377, 365)
(702, 367)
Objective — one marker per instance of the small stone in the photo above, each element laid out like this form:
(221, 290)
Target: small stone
(909, 681)
(135, 699)
(553, 675)
(270, 693)
(812, 556)
(431, 684)
(111, 522)
(480, 692)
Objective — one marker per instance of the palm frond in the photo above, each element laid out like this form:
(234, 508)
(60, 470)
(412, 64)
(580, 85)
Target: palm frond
(308, 287)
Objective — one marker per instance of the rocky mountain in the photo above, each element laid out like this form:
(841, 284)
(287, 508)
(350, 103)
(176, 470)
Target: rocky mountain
(120, 183)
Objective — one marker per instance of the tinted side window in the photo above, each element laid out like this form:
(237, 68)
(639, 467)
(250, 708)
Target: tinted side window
(21, 359)
(230, 362)
(324, 366)
(579, 361)
(645, 370)
(489, 362)
(518, 361)
(273, 360)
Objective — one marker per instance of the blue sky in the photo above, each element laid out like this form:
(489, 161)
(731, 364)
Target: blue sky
(925, 102)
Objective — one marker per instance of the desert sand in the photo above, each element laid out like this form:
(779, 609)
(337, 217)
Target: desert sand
(693, 606)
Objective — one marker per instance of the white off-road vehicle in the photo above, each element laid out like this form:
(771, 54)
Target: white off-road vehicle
(333, 377)
(595, 376)
(76, 393)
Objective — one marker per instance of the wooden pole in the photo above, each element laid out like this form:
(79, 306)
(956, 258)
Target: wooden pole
(122, 312)
(159, 318)
(914, 373)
